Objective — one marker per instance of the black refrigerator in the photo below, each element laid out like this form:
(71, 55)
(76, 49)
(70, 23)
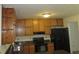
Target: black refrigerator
(60, 38)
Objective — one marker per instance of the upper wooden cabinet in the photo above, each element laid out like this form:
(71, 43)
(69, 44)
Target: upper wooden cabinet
(47, 30)
(41, 25)
(24, 27)
(8, 23)
(47, 22)
(29, 31)
(53, 22)
(28, 22)
(20, 27)
(59, 22)
(8, 12)
(30, 25)
(20, 23)
(35, 25)
(20, 31)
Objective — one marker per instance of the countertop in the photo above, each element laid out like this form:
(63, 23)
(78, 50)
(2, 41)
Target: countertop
(30, 38)
(4, 48)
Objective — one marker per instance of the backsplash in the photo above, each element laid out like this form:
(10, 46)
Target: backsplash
(30, 38)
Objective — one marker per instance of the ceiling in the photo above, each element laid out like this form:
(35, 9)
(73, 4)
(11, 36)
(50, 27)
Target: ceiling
(33, 10)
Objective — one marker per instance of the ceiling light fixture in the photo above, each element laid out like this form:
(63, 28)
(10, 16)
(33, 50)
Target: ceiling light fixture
(46, 15)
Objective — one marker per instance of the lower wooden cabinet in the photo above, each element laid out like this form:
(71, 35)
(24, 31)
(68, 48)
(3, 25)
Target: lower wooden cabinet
(50, 48)
(28, 49)
(31, 49)
(25, 49)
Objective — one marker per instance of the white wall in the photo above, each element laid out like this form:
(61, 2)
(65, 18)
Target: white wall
(71, 18)
(0, 21)
(72, 23)
(73, 36)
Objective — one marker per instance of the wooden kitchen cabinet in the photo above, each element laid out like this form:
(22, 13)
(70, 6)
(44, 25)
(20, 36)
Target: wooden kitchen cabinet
(24, 27)
(35, 25)
(60, 22)
(50, 23)
(28, 22)
(20, 27)
(29, 31)
(28, 49)
(8, 12)
(8, 25)
(20, 31)
(32, 49)
(20, 23)
(53, 22)
(28, 27)
(8, 36)
(50, 47)
(47, 22)
(47, 30)
(41, 25)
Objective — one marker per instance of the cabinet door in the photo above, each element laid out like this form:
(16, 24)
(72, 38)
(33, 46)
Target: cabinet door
(53, 22)
(20, 23)
(50, 48)
(28, 22)
(20, 28)
(35, 26)
(31, 49)
(41, 25)
(8, 12)
(8, 36)
(47, 22)
(60, 22)
(29, 26)
(28, 31)
(26, 49)
(47, 30)
(20, 31)
(8, 23)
